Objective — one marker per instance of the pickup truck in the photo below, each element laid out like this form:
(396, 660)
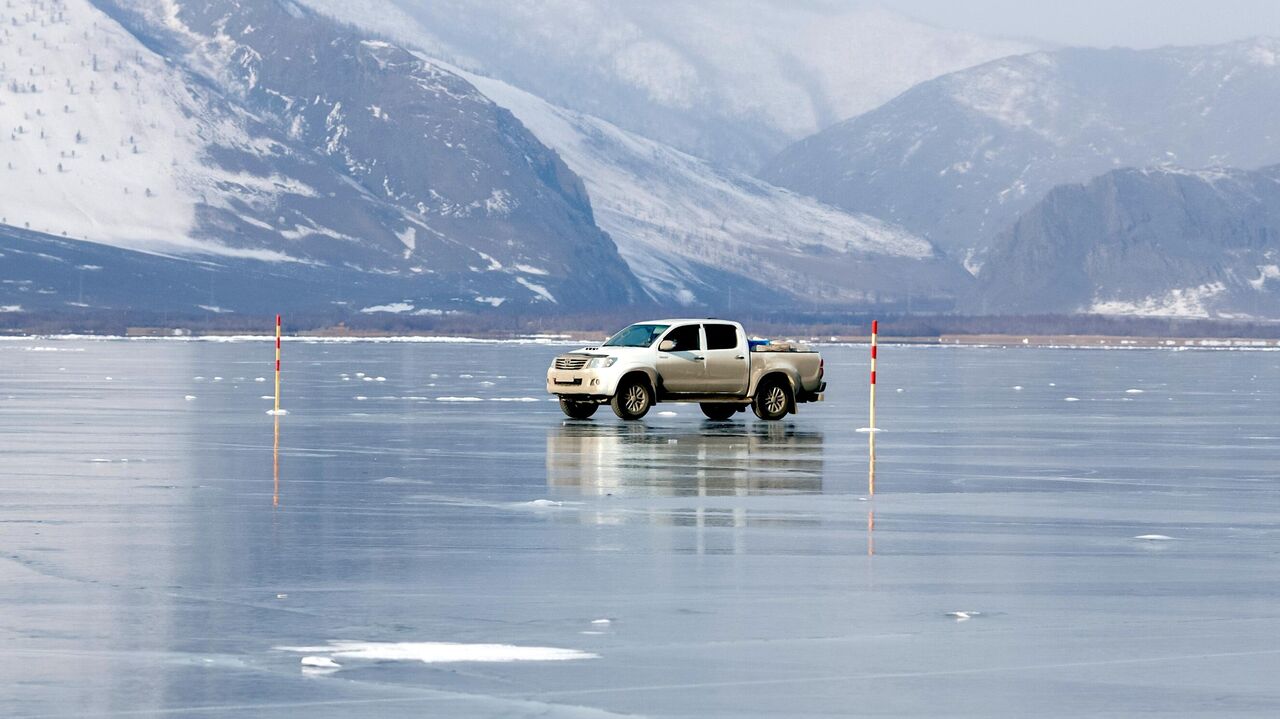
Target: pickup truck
(710, 362)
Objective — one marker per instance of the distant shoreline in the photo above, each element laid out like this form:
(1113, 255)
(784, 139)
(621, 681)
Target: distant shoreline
(579, 338)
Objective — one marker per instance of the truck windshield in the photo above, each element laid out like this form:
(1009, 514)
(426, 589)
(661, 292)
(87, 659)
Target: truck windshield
(637, 336)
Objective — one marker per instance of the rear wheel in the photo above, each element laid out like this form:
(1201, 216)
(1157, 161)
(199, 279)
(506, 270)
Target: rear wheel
(718, 411)
(773, 398)
(633, 399)
(578, 410)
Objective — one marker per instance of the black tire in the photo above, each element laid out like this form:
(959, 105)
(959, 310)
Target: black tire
(773, 399)
(633, 399)
(719, 411)
(578, 410)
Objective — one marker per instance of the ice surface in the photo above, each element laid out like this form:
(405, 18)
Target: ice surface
(741, 569)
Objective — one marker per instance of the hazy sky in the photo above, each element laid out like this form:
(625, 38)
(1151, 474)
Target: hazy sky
(1131, 23)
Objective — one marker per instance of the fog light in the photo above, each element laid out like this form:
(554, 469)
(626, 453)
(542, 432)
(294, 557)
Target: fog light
(595, 382)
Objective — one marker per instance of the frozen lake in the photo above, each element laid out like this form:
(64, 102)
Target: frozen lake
(152, 563)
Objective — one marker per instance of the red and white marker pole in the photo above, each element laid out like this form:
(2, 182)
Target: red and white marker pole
(871, 429)
(277, 364)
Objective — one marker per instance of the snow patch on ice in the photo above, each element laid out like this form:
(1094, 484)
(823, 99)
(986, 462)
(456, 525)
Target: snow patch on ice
(459, 399)
(441, 652)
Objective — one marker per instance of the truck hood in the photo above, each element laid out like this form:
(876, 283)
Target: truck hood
(620, 352)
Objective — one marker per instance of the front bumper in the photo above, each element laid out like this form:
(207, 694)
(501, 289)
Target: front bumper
(584, 383)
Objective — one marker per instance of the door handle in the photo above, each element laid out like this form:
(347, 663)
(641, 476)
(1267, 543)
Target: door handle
(698, 358)
(740, 357)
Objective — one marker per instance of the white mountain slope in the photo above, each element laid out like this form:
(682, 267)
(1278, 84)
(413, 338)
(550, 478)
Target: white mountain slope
(729, 80)
(259, 129)
(103, 140)
(691, 231)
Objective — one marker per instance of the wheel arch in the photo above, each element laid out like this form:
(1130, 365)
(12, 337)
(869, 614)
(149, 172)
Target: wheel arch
(775, 373)
(648, 375)
(792, 383)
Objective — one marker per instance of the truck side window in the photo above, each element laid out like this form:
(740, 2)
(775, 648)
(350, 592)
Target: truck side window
(721, 337)
(686, 338)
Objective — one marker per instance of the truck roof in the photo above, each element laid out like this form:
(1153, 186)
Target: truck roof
(683, 320)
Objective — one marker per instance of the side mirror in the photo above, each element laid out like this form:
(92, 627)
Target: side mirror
(666, 346)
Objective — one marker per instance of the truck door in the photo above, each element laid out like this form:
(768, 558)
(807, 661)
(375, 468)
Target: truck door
(682, 368)
(728, 364)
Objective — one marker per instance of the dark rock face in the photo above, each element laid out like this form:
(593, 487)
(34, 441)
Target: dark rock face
(1147, 242)
(958, 158)
(387, 163)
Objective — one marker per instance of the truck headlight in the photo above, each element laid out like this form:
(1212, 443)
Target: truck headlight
(601, 362)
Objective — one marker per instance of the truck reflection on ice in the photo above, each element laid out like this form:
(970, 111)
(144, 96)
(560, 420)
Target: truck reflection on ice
(714, 459)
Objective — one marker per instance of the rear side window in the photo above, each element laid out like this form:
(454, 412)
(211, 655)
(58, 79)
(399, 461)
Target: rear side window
(721, 337)
(686, 338)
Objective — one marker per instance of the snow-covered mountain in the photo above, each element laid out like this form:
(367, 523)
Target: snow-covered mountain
(106, 140)
(696, 234)
(1162, 242)
(728, 80)
(259, 129)
(958, 158)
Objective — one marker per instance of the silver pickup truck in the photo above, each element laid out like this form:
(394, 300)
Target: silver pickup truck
(710, 362)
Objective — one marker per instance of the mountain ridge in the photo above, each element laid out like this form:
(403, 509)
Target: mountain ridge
(1155, 242)
(175, 103)
(956, 159)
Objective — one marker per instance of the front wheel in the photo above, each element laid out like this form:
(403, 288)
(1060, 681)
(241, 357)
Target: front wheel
(632, 400)
(718, 411)
(773, 398)
(578, 410)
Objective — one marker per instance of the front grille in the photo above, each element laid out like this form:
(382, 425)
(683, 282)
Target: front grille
(570, 362)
